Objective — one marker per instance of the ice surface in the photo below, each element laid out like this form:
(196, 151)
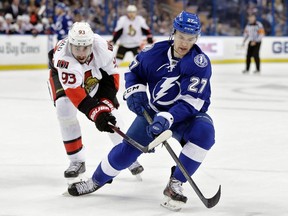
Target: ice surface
(249, 158)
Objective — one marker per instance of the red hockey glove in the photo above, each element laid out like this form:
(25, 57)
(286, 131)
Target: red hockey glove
(101, 115)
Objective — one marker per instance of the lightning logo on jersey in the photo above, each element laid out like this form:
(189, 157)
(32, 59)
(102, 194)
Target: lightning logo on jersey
(166, 91)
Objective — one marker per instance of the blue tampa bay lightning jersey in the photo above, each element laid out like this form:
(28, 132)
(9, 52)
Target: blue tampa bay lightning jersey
(62, 25)
(178, 86)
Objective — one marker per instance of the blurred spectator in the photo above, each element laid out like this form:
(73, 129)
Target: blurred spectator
(266, 24)
(20, 25)
(2, 28)
(97, 2)
(224, 18)
(14, 9)
(279, 7)
(33, 13)
(37, 28)
(47, 29)
(9, 26)
(77, 16)
(208, 27)
(27, 24)
(112, 17)
(4, 4)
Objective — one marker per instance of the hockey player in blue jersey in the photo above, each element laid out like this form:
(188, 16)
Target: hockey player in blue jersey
(177, 74)
(62, 21)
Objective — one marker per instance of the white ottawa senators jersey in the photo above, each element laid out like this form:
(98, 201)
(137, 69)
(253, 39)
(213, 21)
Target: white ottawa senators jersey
(132, 33)
(72, 74)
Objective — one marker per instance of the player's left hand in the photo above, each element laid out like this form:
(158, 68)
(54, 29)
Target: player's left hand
(161, 122)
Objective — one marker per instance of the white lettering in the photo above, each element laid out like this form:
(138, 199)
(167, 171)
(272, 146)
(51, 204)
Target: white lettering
(97, 110)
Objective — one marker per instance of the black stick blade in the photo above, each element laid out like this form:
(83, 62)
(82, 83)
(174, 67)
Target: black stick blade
(211, 202)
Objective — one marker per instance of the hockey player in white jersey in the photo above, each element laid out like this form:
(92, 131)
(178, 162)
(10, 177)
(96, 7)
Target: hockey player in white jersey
(129, 33)
(176, 73)
(84, 77)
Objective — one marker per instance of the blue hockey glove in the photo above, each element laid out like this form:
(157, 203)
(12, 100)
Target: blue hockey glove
(161, 122)
(137, 99)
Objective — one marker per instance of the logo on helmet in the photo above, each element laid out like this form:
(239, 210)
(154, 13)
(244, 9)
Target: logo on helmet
(80, 34)
(188, 23)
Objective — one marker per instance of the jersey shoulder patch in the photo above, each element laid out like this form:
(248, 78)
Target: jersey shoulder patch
(147, 47)
(62, 64)
(201, 60)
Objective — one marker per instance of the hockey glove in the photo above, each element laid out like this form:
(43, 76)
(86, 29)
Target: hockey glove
(137, 99)
(161, 122)
(103, 120)
(101, 115)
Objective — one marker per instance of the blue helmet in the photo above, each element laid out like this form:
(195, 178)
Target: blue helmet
(188, 23)
(61, 5)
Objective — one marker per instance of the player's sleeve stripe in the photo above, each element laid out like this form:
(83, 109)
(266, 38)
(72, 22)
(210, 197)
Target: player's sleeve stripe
(197, 103)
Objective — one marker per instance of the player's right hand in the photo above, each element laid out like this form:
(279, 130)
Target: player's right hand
(101, 115)
(103, 120)
(161, 122)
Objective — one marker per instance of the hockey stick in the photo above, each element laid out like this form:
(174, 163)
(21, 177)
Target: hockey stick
(158, 140)
(208, 202)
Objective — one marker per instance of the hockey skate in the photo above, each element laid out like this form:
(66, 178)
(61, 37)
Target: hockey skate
(75, 169)
(83, 187)
(136, 169)
(174, 199)
(75, 172)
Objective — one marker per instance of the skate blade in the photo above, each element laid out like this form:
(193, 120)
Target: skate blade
(139, 177)
(70, 181)
(65, 193)
(172, 205)
(81, 177)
